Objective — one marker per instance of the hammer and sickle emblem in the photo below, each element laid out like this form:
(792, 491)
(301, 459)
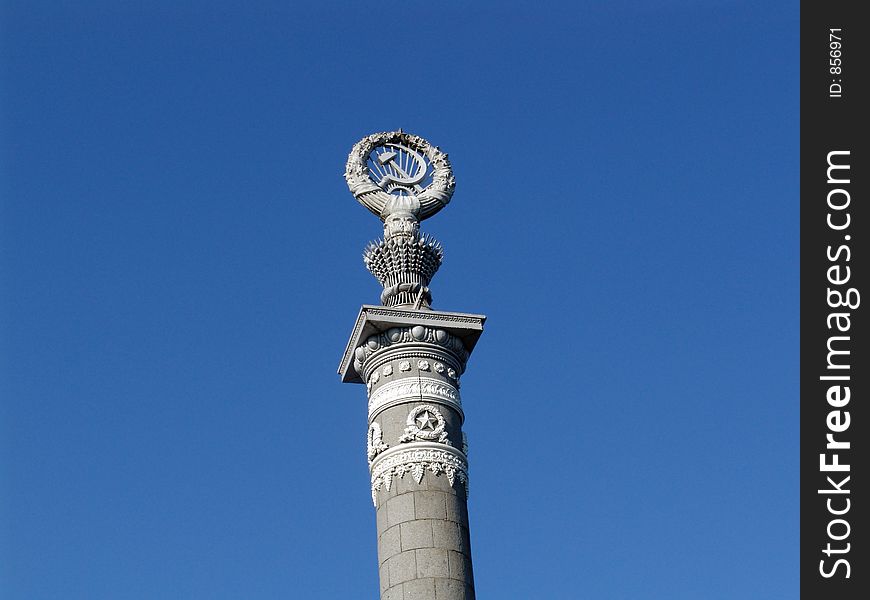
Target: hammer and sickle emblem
(400, 165)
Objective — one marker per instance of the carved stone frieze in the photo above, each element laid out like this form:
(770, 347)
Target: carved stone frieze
(426, 389)
(392, 356)
(400, 460)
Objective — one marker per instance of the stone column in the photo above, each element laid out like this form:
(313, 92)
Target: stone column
(418, 464)
(416, 448)
(410, 358)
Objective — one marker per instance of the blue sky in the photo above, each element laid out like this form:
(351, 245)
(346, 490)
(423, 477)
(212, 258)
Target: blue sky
(180, 266)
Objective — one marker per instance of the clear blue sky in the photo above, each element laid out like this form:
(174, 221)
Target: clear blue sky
(180, 263)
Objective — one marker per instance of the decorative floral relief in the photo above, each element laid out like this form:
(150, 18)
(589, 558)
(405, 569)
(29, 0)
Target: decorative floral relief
(439, 367)
(375, 441)
(417, 462)
(423, 365)
(404, 366)
(388, 370)
(425, 423)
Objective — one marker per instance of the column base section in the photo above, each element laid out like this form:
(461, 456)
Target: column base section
(424, 547)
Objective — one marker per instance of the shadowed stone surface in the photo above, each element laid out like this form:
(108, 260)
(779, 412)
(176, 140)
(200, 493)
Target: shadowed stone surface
(402, 567)
(430, 505)
(416, 534)
(393, 593)
(433, 562)
(400, 509)
(451, 589)
(389, 543)
(419, 589)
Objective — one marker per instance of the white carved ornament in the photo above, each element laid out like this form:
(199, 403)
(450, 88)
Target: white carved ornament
(375, 442)
(385, 168)
(417, 461)
(425, 423)
(397, 336)
(424, 388)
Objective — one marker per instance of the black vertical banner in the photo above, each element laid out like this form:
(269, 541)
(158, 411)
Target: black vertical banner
(835, 299)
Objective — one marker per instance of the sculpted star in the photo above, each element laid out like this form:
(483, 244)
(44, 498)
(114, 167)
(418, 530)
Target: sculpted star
(426, 422)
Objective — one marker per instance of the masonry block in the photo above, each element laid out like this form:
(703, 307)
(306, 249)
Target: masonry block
(400, 509)
(416, 534)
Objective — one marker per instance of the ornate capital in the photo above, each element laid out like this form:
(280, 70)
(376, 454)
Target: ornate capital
(373, 321)
(408, 335)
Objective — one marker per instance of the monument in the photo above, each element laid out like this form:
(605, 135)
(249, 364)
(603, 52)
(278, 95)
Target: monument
(410, 358)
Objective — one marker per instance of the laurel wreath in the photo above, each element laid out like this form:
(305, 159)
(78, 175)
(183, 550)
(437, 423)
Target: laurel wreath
(366, 191)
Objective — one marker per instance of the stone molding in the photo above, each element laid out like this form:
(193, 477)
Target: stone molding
(382, 360)
(379, 311)
(416, 334)
(416, 458)
(422, 389)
